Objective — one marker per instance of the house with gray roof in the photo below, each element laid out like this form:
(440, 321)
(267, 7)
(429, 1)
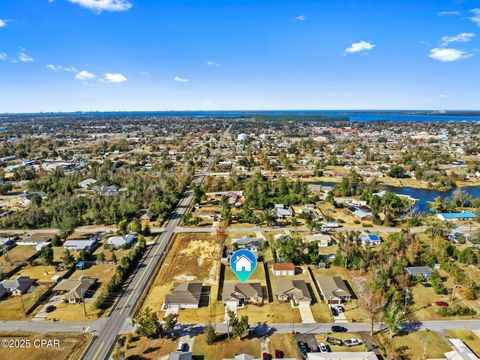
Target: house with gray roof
(74, 291)
(117, 242)
(333, 289)
(180, 355)
(17, 286)
(184, 296)
(242, 293)
(293, 290)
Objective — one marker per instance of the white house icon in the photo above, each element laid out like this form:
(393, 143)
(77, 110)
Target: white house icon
(242, 263)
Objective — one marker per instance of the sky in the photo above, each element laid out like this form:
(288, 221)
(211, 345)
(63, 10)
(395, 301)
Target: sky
(147, 55)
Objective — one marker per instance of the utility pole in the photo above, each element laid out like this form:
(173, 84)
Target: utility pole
(23, 304)
(84, 306)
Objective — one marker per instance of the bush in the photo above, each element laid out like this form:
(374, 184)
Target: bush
(456, 310)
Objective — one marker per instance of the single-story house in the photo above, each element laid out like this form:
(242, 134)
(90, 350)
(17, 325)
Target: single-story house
(333, 289)
(180, 355)
(78, 245)
(281, 212)
(362, 212)
(17, 286)
(340, 355)
(147, 216)
(3, 291)
(86, 183)
(6, 241)
(184, 296)
(323, 240)
(295, 290)
(117, 242)
(242, 293)
(249, 243)
(283, 269)
(111, 190)
(370, 239)
(425, 271)
(36, 240)
(74, 290)
(464, 215)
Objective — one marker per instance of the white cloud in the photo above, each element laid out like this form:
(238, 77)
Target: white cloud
(443, 96)
(463, 37)
(3, 56)
(3, 23)
(58, 68)
(213, 63)
(359, 46)
(85, 75)
(114, 78)
(476, 16)
(104, 5)
(180, 79)
(448, 54)
(24, 57)
(448, 13)
(300, 18)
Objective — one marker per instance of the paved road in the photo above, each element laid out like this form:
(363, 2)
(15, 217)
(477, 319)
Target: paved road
(50, 326)
(103, 343)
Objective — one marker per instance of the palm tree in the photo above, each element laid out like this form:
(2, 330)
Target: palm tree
(393, 316)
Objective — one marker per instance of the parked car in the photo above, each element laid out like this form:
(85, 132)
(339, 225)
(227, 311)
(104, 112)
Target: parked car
(352, 342)
(338, 328)
(279, 354)
(303, 347)
(266, 356)
(50, 308)
(182, 346)
(441, 304)
(339, 308)
(334, 341)
(323, 348)
(334, 311)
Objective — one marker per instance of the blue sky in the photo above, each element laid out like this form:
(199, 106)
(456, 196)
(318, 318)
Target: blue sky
(69, 55)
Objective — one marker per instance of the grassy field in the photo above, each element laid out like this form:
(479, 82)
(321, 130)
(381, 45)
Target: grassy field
(71, 346)
(415, 344)
(468, 337)
(144, 348)
(193, 257)
(15, 256)
(285, 343)
(226, 348)
(11, 306)
(42, 273)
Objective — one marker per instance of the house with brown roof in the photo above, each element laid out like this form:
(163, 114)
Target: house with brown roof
(240, 294)
(184, 296)
(283, 269)
(333, 289)
(293, 290)
(74, 290)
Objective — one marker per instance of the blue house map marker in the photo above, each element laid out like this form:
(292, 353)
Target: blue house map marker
(243, 264)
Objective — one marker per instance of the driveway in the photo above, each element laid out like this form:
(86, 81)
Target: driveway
(339, 318)
(306, 314)
(42, 314)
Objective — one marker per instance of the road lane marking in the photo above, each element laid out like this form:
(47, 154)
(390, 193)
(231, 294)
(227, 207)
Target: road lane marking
(143, 274)
(98, 351)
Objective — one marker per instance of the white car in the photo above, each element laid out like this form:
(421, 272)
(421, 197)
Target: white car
(339, 308)
(323, 348)
(352, 342)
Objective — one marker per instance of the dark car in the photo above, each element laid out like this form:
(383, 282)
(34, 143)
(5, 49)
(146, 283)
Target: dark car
(337, 328)
(266, 356)
(279, 354)
(303, 347)
(334, 341)
(334, 311)
(50, 308)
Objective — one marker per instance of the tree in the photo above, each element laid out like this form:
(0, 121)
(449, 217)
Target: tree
(241, 328)
(114, 257)
(393, 316)
(210, 334)
(170, 321)
(122, 226)
(47, 255)
(373, 303)
(68, 258)
(148, 324)
(101, 257)
(135, 227)
(292, 249)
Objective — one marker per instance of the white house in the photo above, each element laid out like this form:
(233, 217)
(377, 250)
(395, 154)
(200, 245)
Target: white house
(243, 263)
